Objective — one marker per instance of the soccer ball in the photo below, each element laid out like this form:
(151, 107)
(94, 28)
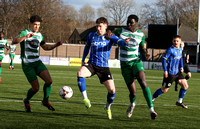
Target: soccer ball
(66, 92)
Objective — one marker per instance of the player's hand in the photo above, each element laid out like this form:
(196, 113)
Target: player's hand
(127, 40)
(165, 74)
(29, 35)
(58, 43)
(181, 70)
(147, 56)
(108, 34)
(83, 63)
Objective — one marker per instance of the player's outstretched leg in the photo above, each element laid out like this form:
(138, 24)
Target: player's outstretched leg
(82, 88)
(110, 99)
(157, 94)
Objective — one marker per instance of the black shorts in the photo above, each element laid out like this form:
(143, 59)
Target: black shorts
(103, 73)
(167, 82)
(186, 68)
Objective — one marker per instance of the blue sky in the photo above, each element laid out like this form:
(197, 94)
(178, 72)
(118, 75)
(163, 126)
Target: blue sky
(97, 3)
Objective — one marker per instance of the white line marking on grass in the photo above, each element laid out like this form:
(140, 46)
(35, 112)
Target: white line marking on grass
(122, 104)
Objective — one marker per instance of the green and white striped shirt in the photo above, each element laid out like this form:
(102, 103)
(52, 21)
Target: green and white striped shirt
(30, 46)
(130, 52)
(3, 42)
(12, 49)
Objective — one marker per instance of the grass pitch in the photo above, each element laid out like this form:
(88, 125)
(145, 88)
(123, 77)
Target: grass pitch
(73, 114)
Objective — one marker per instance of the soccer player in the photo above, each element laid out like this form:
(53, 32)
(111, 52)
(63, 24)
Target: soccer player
(172, 62)
(131, 63)
(185, 56)
(3, 44)
(99, 46)
(30, 41)
(12, 55)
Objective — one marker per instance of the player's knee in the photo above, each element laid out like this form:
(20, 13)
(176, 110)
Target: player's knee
(189, 75)
(184, 84)
(49, 82)
(133, 94)
(79, 74)
(112, 91)
(164, 90)
(143, 84)
(35, 89)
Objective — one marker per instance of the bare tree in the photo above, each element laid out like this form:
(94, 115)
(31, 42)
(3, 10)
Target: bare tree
(57, 17)
(86, 14)
(168, 11)
(118, 10)
(7, 14)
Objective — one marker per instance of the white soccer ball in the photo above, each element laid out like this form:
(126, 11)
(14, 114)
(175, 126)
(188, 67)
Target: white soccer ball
(66, 92)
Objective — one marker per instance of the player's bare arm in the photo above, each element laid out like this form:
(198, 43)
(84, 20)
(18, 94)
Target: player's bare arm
(51, 47)
(17, 40)
(127, 40)
(165, 74)
(181, 70)
(144, 52)
(108, 34)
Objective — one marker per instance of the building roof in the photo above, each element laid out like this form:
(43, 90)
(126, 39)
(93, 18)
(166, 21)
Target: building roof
(187, 33)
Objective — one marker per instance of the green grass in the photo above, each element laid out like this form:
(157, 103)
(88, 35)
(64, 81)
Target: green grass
(73, 114)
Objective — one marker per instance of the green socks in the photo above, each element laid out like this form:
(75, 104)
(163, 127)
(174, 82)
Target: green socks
(30, 94)
(148, 97)
(11, 63)
(47, 91)
(132, 100)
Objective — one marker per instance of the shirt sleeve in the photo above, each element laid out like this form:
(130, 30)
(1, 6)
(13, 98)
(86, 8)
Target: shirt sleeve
(143, 40)
(22, 33)
(117, 32)
(165, 58)
(181, 62)
(87, 47)
(118, 41)
(7, 44)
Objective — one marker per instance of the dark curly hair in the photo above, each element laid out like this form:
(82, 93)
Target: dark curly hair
(35, 18)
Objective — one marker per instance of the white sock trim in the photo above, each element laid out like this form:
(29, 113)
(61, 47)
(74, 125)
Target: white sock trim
(84, 94)
(180, 100)
(151, 109)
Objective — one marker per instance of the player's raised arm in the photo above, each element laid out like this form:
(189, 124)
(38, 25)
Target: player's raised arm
(50, 47)
(20, 38)
(110, 36)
